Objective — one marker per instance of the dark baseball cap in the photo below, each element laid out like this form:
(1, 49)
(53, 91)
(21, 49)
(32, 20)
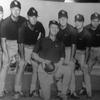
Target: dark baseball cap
(32, 12)
(79, 17)
(95, 16)
(62, 13)
(1, 8)
(15, 3)
(53, 22)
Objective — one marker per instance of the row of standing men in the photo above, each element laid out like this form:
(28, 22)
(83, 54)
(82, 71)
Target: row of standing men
(64, 46)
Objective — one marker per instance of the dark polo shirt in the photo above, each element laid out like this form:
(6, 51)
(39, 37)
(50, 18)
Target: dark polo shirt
(67, 35)
(10, 29)
(83, 39)
(50, 50)
(95, 35)
(29, 36)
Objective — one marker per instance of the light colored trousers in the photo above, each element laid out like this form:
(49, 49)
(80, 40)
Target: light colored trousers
(46, 80)
(94, 57)
(72, 66)
(80, 56)
(0, 58)
(12, 48)
(28, 52)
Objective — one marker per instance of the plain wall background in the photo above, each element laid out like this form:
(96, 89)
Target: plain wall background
(49, 10)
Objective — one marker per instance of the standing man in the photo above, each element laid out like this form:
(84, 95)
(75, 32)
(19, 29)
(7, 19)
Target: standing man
(1, 19)
(30, 31)
(67, 35)
(94, 29)
(49, 50)
(9, 41)
(82, 51)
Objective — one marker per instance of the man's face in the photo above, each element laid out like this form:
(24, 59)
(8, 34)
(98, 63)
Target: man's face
(1, 15)
(32, 19)
(53, 29)
(15, 11)
(79, 24)
(95, 23)
(63, 21)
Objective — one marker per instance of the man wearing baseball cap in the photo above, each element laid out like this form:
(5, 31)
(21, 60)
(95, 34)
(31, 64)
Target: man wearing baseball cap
(67, 35)
(30, 31)
(9, 38)
(83, 45)
(94, 29)
(47, 50)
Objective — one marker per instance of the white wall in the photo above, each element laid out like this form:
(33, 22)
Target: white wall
(49, 10)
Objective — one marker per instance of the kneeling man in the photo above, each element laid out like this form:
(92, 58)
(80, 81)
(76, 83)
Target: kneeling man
(49, 50)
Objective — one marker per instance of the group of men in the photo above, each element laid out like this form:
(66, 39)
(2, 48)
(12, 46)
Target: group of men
(26, 42)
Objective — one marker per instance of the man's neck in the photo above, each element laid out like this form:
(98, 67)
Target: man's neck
(93, 28)
(63, 26)
(30, 25)
(80, 30)
(52, 37)
(15, 19)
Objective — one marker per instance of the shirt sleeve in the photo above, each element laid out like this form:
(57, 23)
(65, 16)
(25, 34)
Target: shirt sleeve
(21, 32)
(63, 51)
(73, 36)
(37, 46)
(42, 30)
(88, 39)
(3, 30)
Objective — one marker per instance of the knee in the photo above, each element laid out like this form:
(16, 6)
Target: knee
(85, 70)
(71, 65)
(68, 70)
(21, 63)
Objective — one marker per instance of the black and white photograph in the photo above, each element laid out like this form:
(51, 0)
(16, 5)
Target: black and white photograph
(49, 49)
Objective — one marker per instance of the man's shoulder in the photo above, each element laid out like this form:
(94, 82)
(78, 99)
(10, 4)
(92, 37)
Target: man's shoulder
(21, 19)
(71, 28)
(39, 24)
(6, 21)
(86, 32)
(88, 26)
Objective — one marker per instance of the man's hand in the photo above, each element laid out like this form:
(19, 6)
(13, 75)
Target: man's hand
(48, 66)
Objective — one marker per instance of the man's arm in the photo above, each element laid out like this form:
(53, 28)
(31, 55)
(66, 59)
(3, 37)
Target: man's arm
(21, 50)
(36, 57)
(42, 31)
(87, 54)
(21, 41)
(5, 51)
(73, 50)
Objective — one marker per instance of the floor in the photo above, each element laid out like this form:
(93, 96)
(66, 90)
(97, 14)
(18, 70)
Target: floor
(96, 96)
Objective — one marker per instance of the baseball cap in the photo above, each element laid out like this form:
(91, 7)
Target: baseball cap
(32, 12)
(95, 16)
(62, 13)
(79, 17)
(1, 8)
(15, 3)
(53, 22)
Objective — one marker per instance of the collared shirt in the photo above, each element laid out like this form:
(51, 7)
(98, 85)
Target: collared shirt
(30, 36)
(67, 35)
(10, 28)
(50, 50)
(95, 35)
(83, 40)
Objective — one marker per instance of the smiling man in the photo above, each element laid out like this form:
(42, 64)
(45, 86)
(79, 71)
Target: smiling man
(9, 41)
(49, 50)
